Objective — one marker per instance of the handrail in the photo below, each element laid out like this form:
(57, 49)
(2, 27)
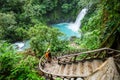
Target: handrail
(102, 53)
(68, 52)
(43, 60)
(97, 50)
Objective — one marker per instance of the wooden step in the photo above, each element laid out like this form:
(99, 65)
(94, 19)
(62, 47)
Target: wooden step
(74, 69)
(56, 69)
(80, 69)
(67, 69)
(95, 64)
(61, 69)
(87, 68)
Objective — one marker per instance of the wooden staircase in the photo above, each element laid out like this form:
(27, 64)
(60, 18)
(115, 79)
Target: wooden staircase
(71, 67)
(75, 69)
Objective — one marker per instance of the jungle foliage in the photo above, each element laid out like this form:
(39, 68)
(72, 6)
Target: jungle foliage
(43, 37)
(100, 27)
(16, 66)
(31, 20)
(17, 16)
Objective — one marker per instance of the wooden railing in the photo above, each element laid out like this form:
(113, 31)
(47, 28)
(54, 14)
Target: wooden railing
(67, 52)
(98, 53)
(102, 53)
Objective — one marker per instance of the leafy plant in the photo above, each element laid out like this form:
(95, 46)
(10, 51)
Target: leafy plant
(42, 37)
(16, 65)
(90, 40)
(66, 7)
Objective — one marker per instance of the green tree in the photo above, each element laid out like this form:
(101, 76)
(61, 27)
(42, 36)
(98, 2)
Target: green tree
(43, 36)
(7, 25)
(66, 7)
(17, 66)
(102, 17)
(9, 30)
(27, 13)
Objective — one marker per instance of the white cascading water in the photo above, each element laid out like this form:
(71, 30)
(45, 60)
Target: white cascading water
(76, 25)
(19, 45)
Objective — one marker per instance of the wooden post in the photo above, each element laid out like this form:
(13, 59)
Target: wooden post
(58, 61)
(74, 60)
(51, 78)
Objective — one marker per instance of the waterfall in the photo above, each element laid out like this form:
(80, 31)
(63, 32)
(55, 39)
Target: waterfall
(76, 25)
(21, 46)
(71, 29)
